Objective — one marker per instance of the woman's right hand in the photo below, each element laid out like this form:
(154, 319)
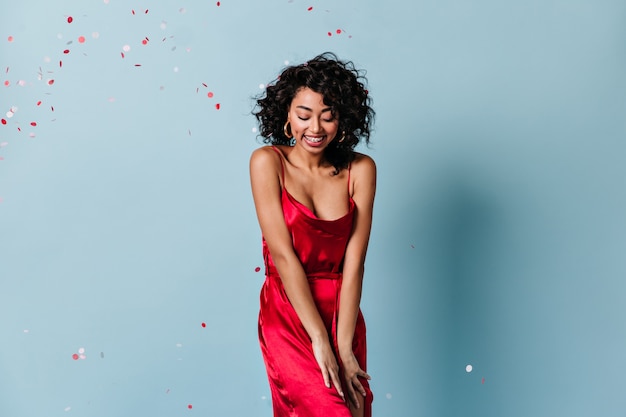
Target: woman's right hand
(327, 362)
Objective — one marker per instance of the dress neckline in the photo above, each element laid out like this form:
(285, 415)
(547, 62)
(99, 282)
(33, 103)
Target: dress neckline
(310, 213)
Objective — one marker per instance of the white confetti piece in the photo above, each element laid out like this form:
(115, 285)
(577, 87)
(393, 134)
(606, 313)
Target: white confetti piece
(469, 368)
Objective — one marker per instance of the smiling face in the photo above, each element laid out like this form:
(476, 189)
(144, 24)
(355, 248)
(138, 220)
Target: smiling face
(312, 122)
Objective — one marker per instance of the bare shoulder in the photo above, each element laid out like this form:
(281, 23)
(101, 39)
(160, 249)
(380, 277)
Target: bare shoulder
(264, 158)
(363, 165)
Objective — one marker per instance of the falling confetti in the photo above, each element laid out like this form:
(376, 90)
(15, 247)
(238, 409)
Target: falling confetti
(75, 356)
(203, 324)
(310, 8)
(210, 94)
(190, 406)
(482, 381)
(81, 39)
(70, 19)
(469, 368)
(218, 106)
(10, 38)
(258, 268)
(388, 396)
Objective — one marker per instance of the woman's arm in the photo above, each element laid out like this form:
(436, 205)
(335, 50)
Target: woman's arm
(364, 174)
(264, 177)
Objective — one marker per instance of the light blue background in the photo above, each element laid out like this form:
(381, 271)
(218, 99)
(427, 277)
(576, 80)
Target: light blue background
(126, 220)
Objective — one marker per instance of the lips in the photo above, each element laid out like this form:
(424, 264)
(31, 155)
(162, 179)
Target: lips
(314, 140)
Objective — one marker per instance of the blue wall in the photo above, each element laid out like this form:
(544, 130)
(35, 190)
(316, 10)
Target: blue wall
(126, 221)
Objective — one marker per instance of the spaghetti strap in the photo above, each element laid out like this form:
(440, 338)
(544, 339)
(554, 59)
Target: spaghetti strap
(349, 166)
(282, 165)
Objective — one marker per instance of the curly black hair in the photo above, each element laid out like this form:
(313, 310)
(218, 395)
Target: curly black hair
(343, 89)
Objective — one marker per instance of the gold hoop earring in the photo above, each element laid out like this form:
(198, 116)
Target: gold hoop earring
(343, 136)
(287, 135)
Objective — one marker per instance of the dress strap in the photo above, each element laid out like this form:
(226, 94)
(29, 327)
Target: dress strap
(349, 166)
(282, 164)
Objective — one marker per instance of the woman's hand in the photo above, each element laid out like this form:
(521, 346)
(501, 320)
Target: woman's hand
(352, 372)
(327, 362)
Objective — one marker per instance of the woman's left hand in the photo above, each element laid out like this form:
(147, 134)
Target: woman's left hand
(352, 372)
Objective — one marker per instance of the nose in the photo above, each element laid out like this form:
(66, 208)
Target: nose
(315, 125)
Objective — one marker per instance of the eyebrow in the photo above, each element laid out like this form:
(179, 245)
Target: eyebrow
(308, 109)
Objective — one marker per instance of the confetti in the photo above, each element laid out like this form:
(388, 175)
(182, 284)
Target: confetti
(67, 51)
(203, 324)
(4, 122)
(257, 269)
(6, 83)
(67, 409)
(219, 4)
(75, 356)
(3, 144)
(33, 123)
(50, 82)
(95, 35)
(21, 83)
(10, 38)
(102, 355)
(310, 8)
(388, 396)
(217, 106)
(482, 381)
(210, 94)
(330, 34)
(81, 39)
(70, 19)
(469, 368)
(190, 406)
(338, 31)
(126, 48)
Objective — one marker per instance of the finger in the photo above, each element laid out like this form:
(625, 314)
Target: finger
(335, 379)
(357, 384)
(364, 374)
(326, 378)
(353, 396)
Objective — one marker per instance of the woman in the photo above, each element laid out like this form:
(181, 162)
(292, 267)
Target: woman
(314, 198)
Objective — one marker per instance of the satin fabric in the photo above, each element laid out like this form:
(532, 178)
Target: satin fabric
(296, 381)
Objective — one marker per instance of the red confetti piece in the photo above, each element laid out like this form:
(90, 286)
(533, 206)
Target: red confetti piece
(218, 4)
(10, 38)
(132, 11)
(330, 34)
(50, 82)
(81, 39)
(4, 121)
(190, 406)
(338, 31)
(482, 381)
(137, 65)
(39, 103)
(310, 8)
(61, 64)
(75, 356)
(145, 41)
(122, 54)
(257, 269)
(204, 84)
(217, 106)
(210, 94)
(70, 19)
(33, 123)
(52, 108)
(67, 51)
(6, 83)
(146, 11)
(203, 324)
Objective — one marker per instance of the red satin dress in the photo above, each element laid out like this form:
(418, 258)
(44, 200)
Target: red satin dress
(296, 381)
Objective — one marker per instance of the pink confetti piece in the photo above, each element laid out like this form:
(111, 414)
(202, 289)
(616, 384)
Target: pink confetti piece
(217, 106)
(70, 19)
(210, 94)
(6, 83)
(50, 82)
(257, 269)
(75, 356)
(3, 144)
(145, 41)
(482, 381)
(81, 39)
